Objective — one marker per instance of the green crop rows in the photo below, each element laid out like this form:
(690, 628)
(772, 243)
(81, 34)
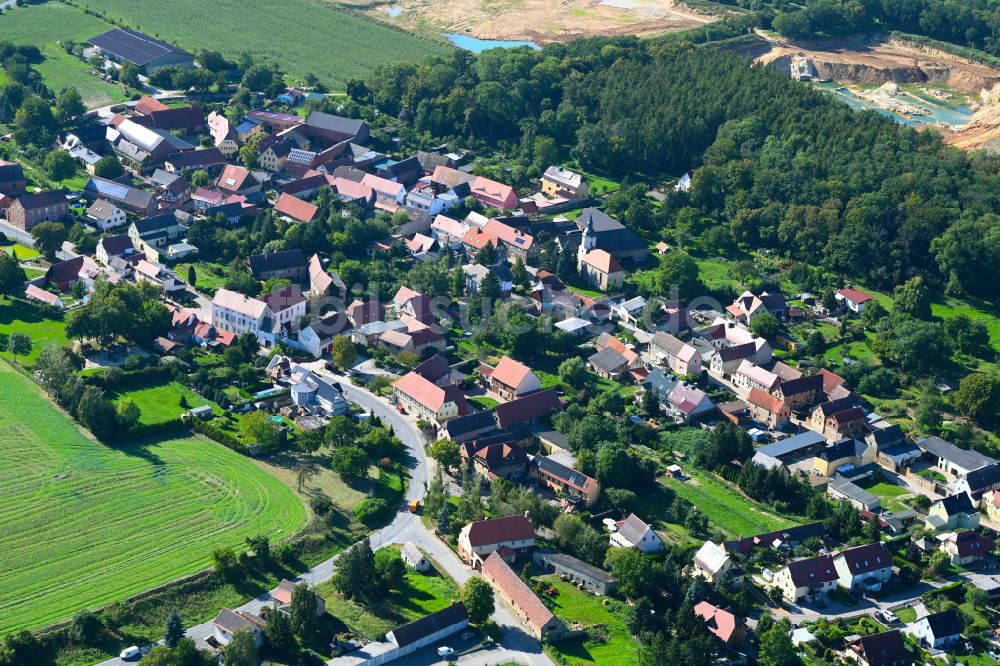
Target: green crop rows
(87, 524)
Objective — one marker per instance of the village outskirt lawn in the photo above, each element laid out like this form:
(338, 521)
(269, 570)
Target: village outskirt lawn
(725, 507)
(44, 25)
(423, 594)
(23, 317)
(160, 403)
(574, 605)
(87, 524)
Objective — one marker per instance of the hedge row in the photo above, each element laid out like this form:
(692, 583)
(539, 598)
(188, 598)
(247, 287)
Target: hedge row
(124, 379)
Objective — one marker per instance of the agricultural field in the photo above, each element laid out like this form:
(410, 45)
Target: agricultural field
(45, 25)
(303, 37)
(424, 593)
(88, 524)
(725, 507)
(574, 605)
(23, 317)
(160, 403)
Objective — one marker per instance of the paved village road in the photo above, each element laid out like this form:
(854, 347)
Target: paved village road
(515, 646)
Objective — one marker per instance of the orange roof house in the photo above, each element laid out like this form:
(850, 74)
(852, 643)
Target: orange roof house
(295, 208)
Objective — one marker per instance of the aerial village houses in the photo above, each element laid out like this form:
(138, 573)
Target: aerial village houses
(675, 354)
(954, 512)
(510, 538)
(885, 649)
(12, 181)
(712, 561)
(564, 480)
(428, 401)
(563, 183)
(966, 548)
(511, 379)
(770, 410)
(534, 616)
(593, 579)
(634, 533)
(853, 299)
(29, 210)
(723, 624)
(939, 630)
(807, 578)
(864, 567)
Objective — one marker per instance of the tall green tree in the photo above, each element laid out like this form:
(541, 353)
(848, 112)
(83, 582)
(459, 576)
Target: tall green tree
(477, 596)
(241, 650)
(69, 105)
(356, 577)
(304, 613)
(49, 237)
(280, 637)
(913, 298)
(18, 344)
(12, 276)
(174, 631)
(60, 165)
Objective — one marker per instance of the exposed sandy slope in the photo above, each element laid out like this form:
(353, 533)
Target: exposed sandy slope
(860, 60)
(541, 20)
(863, 60)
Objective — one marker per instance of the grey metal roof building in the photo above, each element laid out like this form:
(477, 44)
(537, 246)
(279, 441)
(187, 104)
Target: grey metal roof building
(124, 45)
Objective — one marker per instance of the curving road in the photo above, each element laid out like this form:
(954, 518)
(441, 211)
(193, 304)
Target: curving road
(515, 646)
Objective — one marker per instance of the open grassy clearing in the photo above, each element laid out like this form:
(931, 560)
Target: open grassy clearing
(424, 593)
(88, 524)
(725, 507)
(303, 37)
(22, 252)
(46, 24)
(890, 494)
(23, 317)
(574, 605)
(160, 403)
(209, 275)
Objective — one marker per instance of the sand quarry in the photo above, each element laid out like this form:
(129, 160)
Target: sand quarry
(540, 21)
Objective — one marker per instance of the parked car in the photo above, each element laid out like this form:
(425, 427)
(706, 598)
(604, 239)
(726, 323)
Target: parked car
(130, 653)
(445, 652)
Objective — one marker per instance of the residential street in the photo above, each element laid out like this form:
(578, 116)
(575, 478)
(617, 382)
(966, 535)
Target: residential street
(515, 646)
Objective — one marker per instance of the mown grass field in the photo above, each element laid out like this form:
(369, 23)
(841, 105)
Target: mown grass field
(301, 36)
(160, 403)
(423, 594)
(724, 506)
(87, 524)
(46, 24)
(574, 605)
(25, 318)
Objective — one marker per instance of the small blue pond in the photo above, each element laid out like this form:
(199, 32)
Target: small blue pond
(479, 45)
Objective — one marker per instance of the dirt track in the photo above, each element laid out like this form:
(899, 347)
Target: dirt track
(543, 21)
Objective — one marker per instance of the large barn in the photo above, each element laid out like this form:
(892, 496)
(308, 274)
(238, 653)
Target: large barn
(122, 45)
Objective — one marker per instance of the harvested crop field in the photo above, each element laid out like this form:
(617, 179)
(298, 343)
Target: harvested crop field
(302, 37)
(539, 20)
(87, 524)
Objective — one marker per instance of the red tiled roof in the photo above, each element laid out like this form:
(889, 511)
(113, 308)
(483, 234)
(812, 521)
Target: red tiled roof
(721, 623)
(831, 380)
(868, 558)
(765, 400)
(855, 295)
(812, 571)
(510, 372)
(430, 395)
(295, 208)
(533, 406)
(515, 589)
(499, 530)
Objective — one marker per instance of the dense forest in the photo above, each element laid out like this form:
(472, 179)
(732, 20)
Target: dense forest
(776, 164)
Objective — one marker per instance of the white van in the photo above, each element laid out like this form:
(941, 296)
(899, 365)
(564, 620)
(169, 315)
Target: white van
(130, 653)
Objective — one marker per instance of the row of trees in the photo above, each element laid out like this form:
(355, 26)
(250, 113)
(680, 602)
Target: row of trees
(57, 370)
